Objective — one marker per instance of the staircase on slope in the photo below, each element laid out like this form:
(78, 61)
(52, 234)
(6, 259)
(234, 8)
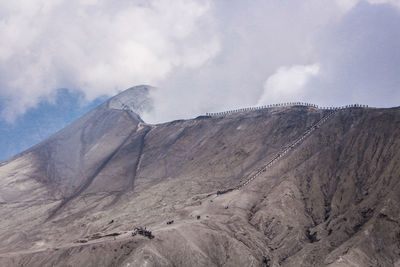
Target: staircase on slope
(281, 153)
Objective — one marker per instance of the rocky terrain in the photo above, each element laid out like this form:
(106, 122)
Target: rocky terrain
(332, 199)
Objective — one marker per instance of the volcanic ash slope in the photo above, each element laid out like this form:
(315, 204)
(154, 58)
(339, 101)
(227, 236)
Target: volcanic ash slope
(332, 200)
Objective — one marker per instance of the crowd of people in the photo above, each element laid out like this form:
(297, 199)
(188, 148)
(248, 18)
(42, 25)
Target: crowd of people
(289, 104)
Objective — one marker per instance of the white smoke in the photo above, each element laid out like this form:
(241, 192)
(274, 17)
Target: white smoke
(287, 84)
(97, 46)
(203, 55)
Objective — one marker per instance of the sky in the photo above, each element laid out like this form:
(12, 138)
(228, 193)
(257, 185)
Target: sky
(61, 58)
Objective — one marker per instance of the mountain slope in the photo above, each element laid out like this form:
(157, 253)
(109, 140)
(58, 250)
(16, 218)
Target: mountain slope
(333, 199)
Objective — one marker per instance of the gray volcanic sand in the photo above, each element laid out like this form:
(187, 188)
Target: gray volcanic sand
(332, 200)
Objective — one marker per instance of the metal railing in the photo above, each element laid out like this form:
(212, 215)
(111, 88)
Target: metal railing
(289, 104)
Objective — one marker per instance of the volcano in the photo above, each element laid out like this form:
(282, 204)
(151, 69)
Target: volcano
(284, 185)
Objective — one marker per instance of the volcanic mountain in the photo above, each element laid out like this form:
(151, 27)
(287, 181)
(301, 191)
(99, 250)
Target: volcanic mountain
(288, 185)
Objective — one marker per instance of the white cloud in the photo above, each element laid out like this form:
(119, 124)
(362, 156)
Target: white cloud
(287, 84)
(395, 3)
(97, 46)
(204, 55)
(359, 59)
(347, 5)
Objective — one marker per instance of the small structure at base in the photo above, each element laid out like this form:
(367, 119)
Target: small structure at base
(143, 231)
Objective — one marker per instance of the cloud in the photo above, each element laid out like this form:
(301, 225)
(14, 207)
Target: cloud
(287, 84)
(204, 56)
(347, 5)
(359, 59)
(357, 62)
(395, 3)
(255, 40)
(96, 46)
(281, 40)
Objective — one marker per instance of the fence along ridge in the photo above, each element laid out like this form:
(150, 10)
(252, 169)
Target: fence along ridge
(289, 104)
(282, 152)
